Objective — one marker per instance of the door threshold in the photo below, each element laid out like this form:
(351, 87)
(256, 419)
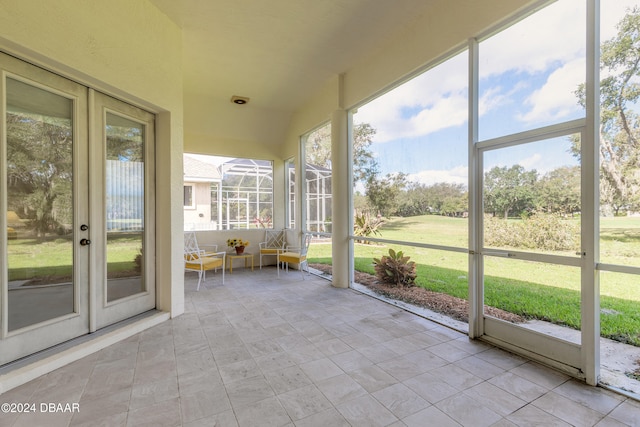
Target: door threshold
(23, 370)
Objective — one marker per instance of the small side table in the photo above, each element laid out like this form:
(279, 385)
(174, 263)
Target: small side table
(246, 257)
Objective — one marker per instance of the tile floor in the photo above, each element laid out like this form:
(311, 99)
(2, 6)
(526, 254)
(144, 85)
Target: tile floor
(262, 351)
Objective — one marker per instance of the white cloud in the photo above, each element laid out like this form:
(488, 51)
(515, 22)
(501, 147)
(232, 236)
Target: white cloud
(532, 162)
(556, 99)
(437, 99)
(496, 97)
(555, 33)
(457, 175)
(432, 101)
(553, 38)
(451, 111)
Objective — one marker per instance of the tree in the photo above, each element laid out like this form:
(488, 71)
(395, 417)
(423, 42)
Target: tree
(39, 170)
(456, 203)
(509, 190)
(363, 160)
(416, 200)
(443, 198)
(318, 150)
(125, 143)
(619, 123)
(318, 147)
(559, 191)
(383, 193)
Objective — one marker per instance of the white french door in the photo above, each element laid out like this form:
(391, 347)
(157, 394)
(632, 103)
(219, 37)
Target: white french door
(44, 206)
(121, 178)
(76, 210)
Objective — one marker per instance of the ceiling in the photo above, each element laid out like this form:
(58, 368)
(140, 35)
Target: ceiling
(281, 52)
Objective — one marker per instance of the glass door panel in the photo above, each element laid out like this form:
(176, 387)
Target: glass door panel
(531, 247)
(43, 169)
(123, 140)
(39, 198)
(125, 206)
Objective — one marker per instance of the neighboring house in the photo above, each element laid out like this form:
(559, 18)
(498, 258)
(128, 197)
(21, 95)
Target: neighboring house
(232, 195)
(198, 177)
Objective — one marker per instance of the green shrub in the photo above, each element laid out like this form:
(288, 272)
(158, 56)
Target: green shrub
(365, 225)
(395, 269)
(543, 231)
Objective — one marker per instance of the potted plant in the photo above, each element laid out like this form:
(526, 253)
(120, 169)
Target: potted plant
(238, 244)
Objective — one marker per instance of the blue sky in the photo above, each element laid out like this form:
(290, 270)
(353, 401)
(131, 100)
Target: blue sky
(528, 75)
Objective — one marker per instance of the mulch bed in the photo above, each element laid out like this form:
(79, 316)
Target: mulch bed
(456, 308)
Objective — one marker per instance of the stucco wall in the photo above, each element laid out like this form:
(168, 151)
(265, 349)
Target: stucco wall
(126, 48)
(200, 213)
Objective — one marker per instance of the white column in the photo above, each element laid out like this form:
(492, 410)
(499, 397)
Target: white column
(340, 187)
(590, 155)
(476, 269)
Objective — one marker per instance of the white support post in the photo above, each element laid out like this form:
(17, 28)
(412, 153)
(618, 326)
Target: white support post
(340, 172)
(590, 286)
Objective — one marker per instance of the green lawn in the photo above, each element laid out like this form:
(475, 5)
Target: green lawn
(530, 289)
(52, 258)
(534, 290)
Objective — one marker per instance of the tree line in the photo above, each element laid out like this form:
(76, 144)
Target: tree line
(508, 192)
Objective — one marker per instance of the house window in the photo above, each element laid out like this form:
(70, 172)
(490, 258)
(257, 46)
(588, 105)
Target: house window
(189, 201)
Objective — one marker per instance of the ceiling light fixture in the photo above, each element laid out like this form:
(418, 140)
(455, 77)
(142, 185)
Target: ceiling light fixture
(240, 100)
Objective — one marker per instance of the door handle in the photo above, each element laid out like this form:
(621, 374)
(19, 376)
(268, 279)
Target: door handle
(499, 254)
(85, 242)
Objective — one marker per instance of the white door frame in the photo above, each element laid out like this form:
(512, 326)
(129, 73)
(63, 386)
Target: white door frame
(582, 361)
(32, 338)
